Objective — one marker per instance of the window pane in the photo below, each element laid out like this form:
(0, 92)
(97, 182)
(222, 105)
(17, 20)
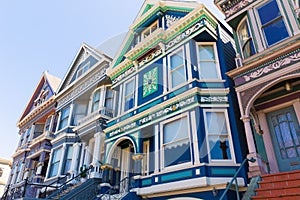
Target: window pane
(275, 32)
(268, 12)
(178, 77)
(208, 70)
(176, 60)
(129, 88)
(216, 123)
(176, 142)
(206, 52)
(219, 148)
(176, 130)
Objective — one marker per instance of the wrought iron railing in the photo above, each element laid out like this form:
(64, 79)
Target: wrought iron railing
(234, 179)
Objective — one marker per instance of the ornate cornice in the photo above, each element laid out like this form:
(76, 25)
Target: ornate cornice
(231, 7)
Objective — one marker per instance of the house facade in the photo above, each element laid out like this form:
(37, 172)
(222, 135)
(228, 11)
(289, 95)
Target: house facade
(36, 128)
(5, 167)
(175, 133)
(267, 80)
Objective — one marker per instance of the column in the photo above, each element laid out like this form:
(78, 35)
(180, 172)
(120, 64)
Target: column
(70, 114)
(52, 121)
(81, 163)
(255, 168)
(156, 150)
(96, 157)
(75, 156)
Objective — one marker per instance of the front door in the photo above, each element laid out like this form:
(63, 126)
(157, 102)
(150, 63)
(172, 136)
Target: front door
(285, 133)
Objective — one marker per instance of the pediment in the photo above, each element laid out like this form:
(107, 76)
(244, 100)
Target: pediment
(45, 89)
(85, 59)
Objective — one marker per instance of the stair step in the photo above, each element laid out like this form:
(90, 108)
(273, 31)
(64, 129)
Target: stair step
(289, 190)
(279, 184)
(277, 197)
(281, 176)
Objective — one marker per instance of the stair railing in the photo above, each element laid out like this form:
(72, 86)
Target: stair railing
(122, 187)
(74, 180)
(234, 179)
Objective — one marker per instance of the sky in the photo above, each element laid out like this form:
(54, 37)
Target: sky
(38, 36)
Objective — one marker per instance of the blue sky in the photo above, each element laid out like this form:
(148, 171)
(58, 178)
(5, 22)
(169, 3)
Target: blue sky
(40, 35)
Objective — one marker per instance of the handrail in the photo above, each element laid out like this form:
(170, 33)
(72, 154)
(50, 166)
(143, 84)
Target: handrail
(61, 187)
(112, 188)
(235, 179)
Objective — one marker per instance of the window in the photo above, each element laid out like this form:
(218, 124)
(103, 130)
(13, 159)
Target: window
(208, 62)
(79, 113)
(245, 39)
(176, 144)
(83, 69)
(146, 150)
(149, 30)
(217, 129)
(68, 161)
(129, 95)
(109, 99)
(38, 130)
(96, 100)
(64, 118)
(177, 68)
(47, 123)
(55, 163)
(272, 23)
(19, 166)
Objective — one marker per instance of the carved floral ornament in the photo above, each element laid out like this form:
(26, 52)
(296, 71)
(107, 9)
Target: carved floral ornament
(271, 67)
(231, 7)
(171, 19)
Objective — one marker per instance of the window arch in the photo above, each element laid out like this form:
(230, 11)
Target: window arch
(245, 39)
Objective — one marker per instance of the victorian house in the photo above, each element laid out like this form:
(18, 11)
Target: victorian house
(36, 128)
(84, 104)
(267, 82)
(174, 133)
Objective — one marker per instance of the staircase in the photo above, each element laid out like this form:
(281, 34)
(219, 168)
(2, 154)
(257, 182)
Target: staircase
(279, 186)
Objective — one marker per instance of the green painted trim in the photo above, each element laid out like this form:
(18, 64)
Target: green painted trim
(237, 44)
(148, 7)
(146, 182)
(117, 74)
(177, 175)
(223, 171)
(129, 41)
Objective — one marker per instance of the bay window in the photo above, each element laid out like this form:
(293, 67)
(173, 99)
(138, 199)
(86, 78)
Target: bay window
(80, 112)
(208, 61)
(176, 142)
(272, 23)
(218, 135)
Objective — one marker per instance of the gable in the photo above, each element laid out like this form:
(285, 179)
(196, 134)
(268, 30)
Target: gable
(169, 11)
(45, 89)
(85, 59)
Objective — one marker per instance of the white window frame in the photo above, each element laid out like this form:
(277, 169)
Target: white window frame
(263, 36)
(150, 29)
(162, 159)
(216, 61)
(229, 137)
(134, 94)
(246, 20)
(60, 118)
(50, 162)
(171, 71)
(146, 160)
